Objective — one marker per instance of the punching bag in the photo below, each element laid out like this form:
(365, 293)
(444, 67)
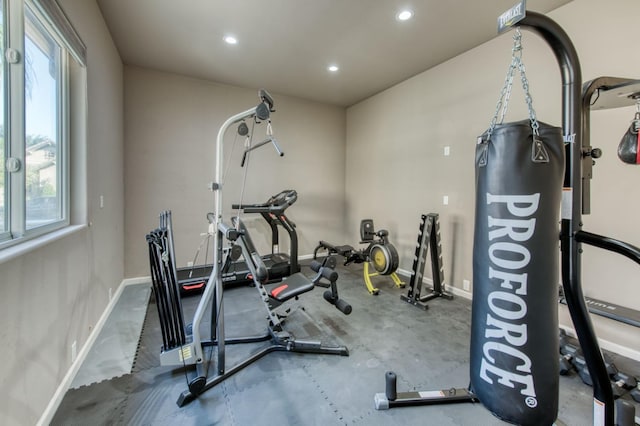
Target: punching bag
(629, 147)
(514, 324)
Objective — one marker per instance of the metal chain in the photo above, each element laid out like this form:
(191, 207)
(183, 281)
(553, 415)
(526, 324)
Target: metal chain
(508, 82)
(505, 93)
(516, 61)
(528, 99)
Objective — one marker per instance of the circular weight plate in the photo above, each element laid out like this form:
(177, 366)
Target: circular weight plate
(384, 258)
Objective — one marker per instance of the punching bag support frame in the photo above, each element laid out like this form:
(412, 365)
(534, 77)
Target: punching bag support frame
(574, 125)
(576, 106)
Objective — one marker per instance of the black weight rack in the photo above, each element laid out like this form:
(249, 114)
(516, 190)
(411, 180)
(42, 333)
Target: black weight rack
(428, 238)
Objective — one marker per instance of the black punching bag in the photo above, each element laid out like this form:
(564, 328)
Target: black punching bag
(514, 326)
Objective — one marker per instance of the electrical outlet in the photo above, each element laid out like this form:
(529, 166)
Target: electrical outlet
(189, 264)
(445, 200)
(466, 285)
(74, 350)
(447, 151)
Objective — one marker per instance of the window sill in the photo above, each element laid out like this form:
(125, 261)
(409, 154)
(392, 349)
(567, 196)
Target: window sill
(25, 247)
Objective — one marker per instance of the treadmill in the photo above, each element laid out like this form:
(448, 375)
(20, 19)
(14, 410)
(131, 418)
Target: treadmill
(193, 279)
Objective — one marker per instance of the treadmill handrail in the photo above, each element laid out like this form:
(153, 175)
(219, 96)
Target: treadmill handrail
(277, 203)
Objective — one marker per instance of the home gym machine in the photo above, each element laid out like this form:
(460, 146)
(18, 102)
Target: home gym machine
(578, 161)
(379, 251)
(428, 238)
(184, 345)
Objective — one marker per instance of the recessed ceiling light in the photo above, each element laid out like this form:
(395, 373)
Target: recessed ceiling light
(404, 15)
(333, 68)
(230, 39)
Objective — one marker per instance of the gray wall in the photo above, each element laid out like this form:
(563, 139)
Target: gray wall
(402, 132)
(55, 295)
(170, 132)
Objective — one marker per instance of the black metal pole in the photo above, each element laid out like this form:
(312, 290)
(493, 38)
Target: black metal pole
(572, 118)
(607, 243)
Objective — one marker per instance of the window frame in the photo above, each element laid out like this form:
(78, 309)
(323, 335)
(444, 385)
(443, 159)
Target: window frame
(15, 15)
(5, 232)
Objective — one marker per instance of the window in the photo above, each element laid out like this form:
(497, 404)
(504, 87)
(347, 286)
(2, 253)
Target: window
(3, 145)
(39, 46)
(44, 177)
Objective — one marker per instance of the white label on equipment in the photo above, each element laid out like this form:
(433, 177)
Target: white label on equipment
(598, 413)
(431, 394)
(567, 203)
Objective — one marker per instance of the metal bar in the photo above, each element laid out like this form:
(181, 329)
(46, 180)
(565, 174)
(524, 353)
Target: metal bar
(611, 244)
(572, 119)
(214, 284)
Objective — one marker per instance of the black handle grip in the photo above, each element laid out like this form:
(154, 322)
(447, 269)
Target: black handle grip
(340, 304)
(330, 274)
(325, 272)
(315, 265)
(262, 273)
(390, 379)
(343, 306)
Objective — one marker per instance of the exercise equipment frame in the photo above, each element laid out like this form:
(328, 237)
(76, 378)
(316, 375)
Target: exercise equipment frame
(379, 252)
(190, 352)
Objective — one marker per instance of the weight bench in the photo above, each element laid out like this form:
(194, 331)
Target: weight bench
(291, 286)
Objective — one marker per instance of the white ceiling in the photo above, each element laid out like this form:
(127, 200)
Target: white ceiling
(285, 46)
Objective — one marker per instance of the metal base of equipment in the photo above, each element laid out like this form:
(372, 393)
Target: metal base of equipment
(374, 290)
(391, 398)
(422, 301)
(281, 342)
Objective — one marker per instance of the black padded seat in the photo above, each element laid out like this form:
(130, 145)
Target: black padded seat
(291, 286)
(344, 250)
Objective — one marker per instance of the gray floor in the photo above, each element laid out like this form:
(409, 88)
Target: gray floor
(113, 353)
(427, 349)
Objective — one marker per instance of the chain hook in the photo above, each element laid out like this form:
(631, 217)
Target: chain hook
(517, 43)
(505, 94)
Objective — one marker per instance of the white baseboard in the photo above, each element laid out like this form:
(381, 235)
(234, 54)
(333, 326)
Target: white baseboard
(136, 280)
(55, 401)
